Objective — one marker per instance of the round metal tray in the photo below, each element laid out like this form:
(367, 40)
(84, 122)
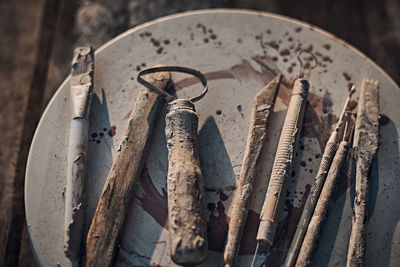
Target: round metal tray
(239, 52)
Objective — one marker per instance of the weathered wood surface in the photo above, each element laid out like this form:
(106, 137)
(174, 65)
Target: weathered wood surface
(366, 139)
(187, 224)
(26, 44)
(108, 221)
(38, 39)
(261, 114)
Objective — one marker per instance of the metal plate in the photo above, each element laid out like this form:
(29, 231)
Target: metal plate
(239, 51)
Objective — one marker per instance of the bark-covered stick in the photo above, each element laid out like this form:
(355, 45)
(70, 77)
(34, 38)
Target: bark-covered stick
(321, 210)
(81, 84)
(263, 106)
(106, 227)
(186, 215)
(366, 137)
(326, 160)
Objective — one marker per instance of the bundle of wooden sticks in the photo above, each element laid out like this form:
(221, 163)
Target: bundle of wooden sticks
(187, 224)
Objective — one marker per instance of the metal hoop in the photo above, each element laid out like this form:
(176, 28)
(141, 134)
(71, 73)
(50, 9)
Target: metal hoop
(168, 96)
(301, 71)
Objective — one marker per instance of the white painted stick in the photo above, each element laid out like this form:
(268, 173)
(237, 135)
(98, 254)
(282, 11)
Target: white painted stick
(81, 84)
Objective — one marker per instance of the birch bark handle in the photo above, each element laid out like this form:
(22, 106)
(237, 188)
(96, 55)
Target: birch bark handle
(321, 209)
(81, 83)
(107, 224)
(277, 187)
(186, 214)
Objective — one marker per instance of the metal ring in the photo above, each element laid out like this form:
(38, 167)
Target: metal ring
(301, 71)
(169, 97)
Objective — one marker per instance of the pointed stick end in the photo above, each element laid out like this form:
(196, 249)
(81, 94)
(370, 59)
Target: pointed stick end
(352, 90)
(255, 254)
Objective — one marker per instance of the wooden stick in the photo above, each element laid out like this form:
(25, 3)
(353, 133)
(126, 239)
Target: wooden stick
(321, 210)
(81, 84)
(366, 137)
(327, 157)
(108, 221)
(263, 106)
(186, 210)
(277, 187)
(186, 214)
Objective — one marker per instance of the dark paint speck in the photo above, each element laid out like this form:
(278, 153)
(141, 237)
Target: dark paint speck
(112, 131)
(159, 50)
(346, 76)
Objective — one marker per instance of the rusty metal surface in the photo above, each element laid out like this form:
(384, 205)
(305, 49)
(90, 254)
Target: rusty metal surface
(240, 52)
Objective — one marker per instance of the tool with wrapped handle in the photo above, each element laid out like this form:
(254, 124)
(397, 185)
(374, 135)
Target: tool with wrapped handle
(277, 187)
(366, 139)
(324, 201)
(81, 84)
(263, 106)
(326, 160)
(186, 214)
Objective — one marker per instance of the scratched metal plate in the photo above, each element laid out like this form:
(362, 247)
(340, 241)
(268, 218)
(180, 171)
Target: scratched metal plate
(239, 51)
